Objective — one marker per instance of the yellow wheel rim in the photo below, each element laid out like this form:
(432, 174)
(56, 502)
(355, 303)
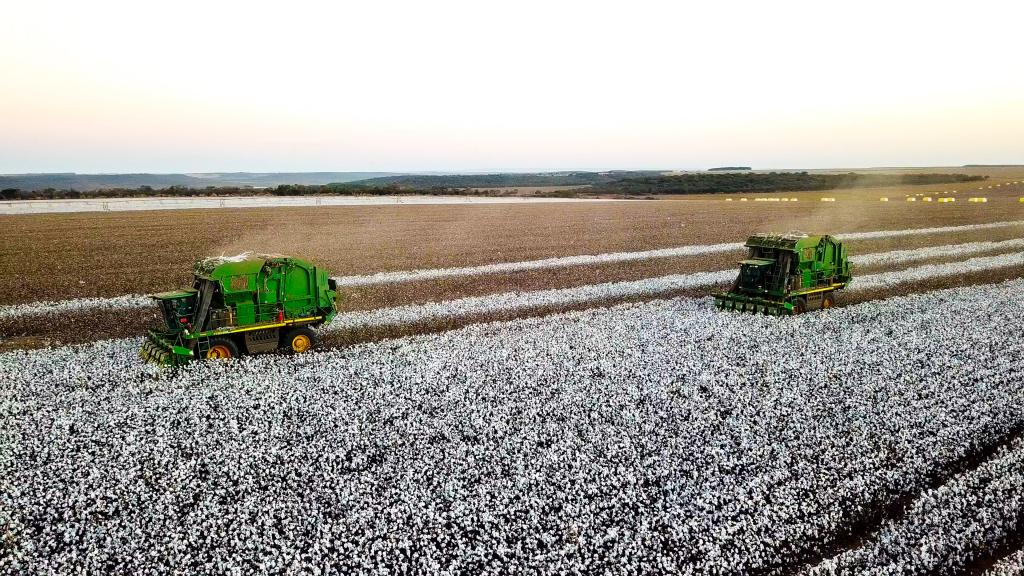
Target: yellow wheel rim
(826, 304)
(300, 343)
(218, 351)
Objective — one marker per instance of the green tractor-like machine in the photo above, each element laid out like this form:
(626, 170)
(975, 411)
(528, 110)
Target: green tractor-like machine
(788, 274)
(243, 304)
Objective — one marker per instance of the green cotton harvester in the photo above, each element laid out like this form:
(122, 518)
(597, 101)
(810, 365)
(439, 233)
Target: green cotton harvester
(788, 274)
(242, 304)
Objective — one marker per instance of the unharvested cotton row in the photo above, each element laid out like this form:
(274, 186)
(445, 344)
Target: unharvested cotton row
(126, 302)
(589, 259)
(652, 437)
(1010, 565)
(134, 301)
(948, 527)
(595, 293)
(946, 251)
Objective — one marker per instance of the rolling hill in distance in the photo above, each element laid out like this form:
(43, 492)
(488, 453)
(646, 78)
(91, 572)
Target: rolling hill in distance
(653, 181)
(89, 182)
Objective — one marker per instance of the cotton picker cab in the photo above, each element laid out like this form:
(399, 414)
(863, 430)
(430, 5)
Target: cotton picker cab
(788, 274)
(242, 304)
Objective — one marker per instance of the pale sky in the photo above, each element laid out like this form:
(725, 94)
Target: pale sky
(136, 86)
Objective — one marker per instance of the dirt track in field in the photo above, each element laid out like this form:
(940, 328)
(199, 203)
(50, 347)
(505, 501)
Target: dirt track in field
(62, 256)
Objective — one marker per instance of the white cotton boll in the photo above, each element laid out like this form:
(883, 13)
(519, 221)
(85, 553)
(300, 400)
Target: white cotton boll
(667, 433)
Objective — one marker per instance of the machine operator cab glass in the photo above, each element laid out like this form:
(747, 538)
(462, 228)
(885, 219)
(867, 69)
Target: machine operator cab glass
(177, 306)
(754, 274)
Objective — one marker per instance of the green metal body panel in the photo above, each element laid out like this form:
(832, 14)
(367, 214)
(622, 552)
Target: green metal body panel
(235, 295)
(784, 270)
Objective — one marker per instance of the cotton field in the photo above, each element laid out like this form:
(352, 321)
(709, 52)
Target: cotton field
(644, 438)
(594, 292)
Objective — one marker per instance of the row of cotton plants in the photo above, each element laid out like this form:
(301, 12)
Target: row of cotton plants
(597, 293)
(652, 437)
(949, 527)
(612, 257)
(134, 301)
(1009, 565)
(928, 271)
(928, 252)
(133, 204)
(932, 230)
(58, 307)
(559, 262)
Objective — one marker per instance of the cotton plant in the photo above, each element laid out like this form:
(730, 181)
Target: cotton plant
(663, 436)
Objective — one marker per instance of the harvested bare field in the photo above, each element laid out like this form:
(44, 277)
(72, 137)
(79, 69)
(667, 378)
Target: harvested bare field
(61, 256)
(143, 203)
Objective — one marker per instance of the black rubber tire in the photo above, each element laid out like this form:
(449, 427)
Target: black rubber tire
(828, 301)
(799, 306)
(289, 341)
(222, 343)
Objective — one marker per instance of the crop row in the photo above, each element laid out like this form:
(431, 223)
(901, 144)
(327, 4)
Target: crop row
(944, 251)
(597, 293)
(948, 527)
(651, 437)
(1010, 565)
(590, 259)
(515, 300)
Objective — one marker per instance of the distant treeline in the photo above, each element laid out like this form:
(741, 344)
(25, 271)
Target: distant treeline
(508, 180)
(697, 183)
(127, 185)
(360, 189)
(89, 182)
(728, 168)
(731, 182)
(140, 192)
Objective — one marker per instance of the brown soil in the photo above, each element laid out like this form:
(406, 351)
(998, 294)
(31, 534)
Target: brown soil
(398, 294)
(59, 256)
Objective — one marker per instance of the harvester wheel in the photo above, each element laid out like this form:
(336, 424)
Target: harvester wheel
(828, 302)
(221, 348)
(300, 340)
(799, 306)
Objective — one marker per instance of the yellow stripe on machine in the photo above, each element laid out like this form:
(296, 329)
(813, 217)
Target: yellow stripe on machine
(816, 290)
(265, 326)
